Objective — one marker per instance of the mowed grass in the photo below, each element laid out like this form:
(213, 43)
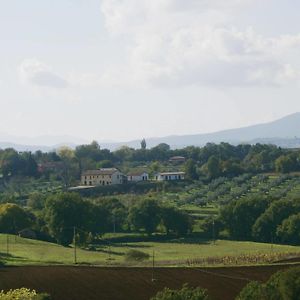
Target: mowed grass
(30, 252)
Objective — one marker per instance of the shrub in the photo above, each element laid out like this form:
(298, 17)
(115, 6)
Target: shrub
(136, 255)
(23, 294)
(185, 293)
(282, 285)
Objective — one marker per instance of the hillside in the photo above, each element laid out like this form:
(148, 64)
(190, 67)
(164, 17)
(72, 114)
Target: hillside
(283, 132)
(174, 252)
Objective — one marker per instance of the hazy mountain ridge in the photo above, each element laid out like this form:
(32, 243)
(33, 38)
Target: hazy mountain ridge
(280, 132)
(284, 132)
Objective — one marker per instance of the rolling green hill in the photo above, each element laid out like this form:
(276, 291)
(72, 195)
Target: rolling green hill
(178, 252)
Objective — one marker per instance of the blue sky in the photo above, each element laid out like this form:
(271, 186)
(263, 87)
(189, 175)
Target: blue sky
(126, 69)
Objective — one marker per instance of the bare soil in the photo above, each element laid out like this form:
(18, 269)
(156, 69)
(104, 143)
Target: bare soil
(94, 283)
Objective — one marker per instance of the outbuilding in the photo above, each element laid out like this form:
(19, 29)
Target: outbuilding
(137, 176)
(168, 176)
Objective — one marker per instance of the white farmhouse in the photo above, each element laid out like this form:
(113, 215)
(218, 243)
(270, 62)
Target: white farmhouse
(166, 176)
(137, 176)
(105, 176)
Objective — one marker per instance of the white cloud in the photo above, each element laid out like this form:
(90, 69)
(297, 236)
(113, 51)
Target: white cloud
(39, 74)
(174, 42)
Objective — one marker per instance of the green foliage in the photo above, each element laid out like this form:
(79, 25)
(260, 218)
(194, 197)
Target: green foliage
(176, 221)
(239, 216)
(213, 167)
(136, 255)
(12, 163)
(63, 212)
(286, 163)
(265, 227)
(284, 285)
(289, 230)
(143, 144)
(36, 201)
(146, 215)
(191, 170)
(117, 216)
(185, 293)
(13, 218)
(69, 170)
(23, 294)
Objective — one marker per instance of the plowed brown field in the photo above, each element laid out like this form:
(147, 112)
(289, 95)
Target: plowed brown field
(93, 283)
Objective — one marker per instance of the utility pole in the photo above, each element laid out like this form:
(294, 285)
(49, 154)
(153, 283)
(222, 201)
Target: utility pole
(153, 265)
(114, 218)
(272, 242)
(214, 239)
(74, 241)
(109, 253)
(7, 245)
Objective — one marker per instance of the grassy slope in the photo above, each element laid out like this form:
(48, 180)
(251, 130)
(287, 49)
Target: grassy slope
(24, 251)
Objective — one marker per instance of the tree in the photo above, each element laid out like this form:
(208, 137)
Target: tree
(69, 170)
(185, 293)
(265, 227)
(286, 164)
(98, 218)
(160, 152)
(143, 144)
(13, 218)
(30, 165)
(36, 200)
(117, 213)
(213, 167)
(289, 230)
(232, 167)
(191, 170)
(282, 285)
(239, 216)
(63, 212)
(176, 220)
(145, 215)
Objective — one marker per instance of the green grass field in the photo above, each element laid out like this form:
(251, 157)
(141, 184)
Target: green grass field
(30, 252)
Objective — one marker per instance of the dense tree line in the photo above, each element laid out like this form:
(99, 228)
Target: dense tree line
(260, 219)
(63, 213)
(211, 160)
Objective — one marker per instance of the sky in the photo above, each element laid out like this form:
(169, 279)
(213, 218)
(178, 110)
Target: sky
(125, 69)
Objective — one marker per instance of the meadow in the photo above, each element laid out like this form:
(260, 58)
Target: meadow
(20, 251)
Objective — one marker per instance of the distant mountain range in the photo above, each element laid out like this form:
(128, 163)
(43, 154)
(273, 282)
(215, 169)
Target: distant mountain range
(284, 132)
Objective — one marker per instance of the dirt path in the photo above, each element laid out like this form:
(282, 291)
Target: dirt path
(91, 283)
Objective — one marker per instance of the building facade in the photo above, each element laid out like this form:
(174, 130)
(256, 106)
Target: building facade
(137, 176)
(167, 176)
(105, 176)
